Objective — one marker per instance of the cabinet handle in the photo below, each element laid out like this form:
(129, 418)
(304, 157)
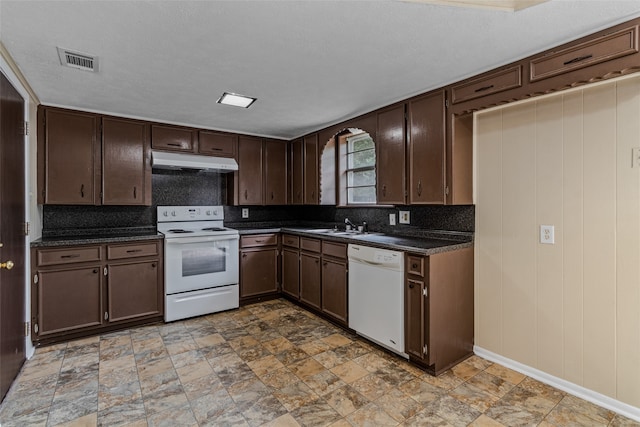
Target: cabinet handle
(244, 255)
(215, 149)
(95, 271)
(272, 195)
(419, 187)
(259, 240)
(246, 194)
(317, 261)
(384, 190)
(578, 59)
(135, 194)
(414, 265)
(70, 256)
(106, 315)
(130, 251)
(482, 89)
(411, 285)
(153, 265)
(82, 191)
(173, 144)
(313, 194)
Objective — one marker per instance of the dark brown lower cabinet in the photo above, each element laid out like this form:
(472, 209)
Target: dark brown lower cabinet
(310, 284)
(132, 290)
(258, 267)
(69, 299)
(291, 272)
(439, 309)
(83, 290)
(334, 281)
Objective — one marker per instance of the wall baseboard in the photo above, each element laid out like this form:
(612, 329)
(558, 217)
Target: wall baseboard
(564, 385)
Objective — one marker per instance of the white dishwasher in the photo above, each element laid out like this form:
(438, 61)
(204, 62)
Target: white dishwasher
(376, 296)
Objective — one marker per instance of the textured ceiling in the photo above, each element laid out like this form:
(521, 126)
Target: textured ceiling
(309, 63)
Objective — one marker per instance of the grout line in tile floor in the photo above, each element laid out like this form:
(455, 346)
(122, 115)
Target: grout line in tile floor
(272, 364)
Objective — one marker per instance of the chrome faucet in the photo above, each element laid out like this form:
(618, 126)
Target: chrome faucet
(350, 224)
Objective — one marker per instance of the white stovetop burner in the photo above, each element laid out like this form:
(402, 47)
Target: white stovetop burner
(192, 221)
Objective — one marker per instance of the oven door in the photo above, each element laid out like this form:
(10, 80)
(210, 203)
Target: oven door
(193, 263)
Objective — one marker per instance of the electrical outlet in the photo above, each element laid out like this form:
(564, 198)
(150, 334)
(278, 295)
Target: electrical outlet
(245, 212)
(392, 219)
(405, 217)
(547, 234)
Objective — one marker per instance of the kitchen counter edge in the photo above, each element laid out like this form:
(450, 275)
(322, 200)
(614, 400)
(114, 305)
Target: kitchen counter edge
(91, 240)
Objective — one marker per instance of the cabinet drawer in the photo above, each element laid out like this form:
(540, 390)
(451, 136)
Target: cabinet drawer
(601, 49)
(415, 265)
(130, 251)
(291, 241)
(217, 144)
(68, 255)
(312, 245)
(258, 240)
(499, 81)
(172, 138)
(338, 250)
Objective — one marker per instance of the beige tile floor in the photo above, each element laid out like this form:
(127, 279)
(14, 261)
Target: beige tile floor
(271, 364)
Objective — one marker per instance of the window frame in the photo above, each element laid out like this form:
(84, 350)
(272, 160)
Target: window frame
(350, 140)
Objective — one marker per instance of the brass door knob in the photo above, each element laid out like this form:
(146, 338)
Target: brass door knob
(8, 265)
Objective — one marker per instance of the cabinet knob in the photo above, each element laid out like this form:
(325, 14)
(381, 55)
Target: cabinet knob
(411, 285)
(414, 265)
(95, 271)
(153, 265)
(244, 255)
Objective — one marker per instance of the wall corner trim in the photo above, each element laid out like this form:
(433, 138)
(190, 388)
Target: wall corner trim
(607, 402)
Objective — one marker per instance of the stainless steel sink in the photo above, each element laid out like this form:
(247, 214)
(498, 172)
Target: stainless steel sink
(333, 232)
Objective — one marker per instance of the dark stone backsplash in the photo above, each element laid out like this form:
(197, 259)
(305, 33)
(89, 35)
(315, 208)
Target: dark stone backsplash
(209, 188)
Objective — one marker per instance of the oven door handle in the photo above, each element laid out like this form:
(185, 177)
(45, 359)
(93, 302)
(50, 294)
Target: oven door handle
(182, 240)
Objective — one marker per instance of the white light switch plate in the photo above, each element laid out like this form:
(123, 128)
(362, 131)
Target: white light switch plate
(405, 217)
(392, 219)
(547, 234)
(245, 212)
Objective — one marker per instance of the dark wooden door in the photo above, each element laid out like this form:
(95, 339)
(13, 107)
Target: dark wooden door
(275, 172)
(12, 238)
(297, 172)
(249, 171)
(390, 156)
(133, 290)
(310, 284)
(334, 289)
(258, 272)
(311, 196)
(426, 127)
(414, 324)
(126, 162)
(69, 158)
(291, 272)
(69, 299)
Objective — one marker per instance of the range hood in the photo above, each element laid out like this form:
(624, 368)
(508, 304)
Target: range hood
(165, 160)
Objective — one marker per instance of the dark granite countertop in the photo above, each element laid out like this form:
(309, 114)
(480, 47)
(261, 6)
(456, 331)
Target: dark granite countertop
(425, 242)
(96, 237)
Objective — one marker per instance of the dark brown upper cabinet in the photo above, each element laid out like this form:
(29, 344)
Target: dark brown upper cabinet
(310, 173)
(249, 170)
(173, 138)
(275, 172)
(297, 172)
(126, 162)
(426, 148)
(88, 159)
(390, 156)
(68, 157)
(217, 143)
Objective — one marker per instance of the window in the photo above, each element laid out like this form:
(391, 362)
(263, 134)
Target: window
(360, 170)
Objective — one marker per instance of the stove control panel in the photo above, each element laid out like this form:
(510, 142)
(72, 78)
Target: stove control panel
(189, 213)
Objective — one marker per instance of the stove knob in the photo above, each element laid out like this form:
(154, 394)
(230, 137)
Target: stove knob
(165, 213)
(215, 212)
(173, 213)
(208, 213)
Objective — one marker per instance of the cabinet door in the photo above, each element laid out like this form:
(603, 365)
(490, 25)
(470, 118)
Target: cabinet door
(415, 318)
(249, 171)
(334, 289)
(275, 172)
(69, 299)
(172, 138)
(69, 169)
(291, 272)
(311, 170)
(258, 272)
(390, 156)
(297, 172)
(310, 280)
(426, 129)
(134, 290)
(218, 144)
(126, 160)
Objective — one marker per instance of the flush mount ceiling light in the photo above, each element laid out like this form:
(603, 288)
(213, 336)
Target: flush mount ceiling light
(236, 100)
(504, 5)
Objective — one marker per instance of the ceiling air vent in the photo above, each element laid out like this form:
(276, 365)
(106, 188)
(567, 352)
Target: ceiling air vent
(81, 61)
